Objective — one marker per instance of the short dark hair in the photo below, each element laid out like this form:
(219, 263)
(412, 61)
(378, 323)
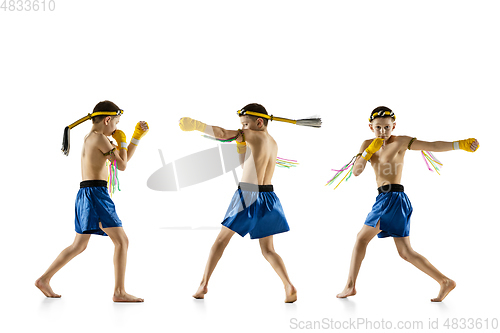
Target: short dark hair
(104, 106)
(256, 108)
(382, 109)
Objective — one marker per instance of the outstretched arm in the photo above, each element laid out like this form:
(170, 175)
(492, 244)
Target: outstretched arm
(188, 124)
(470, 145)
(220, 133)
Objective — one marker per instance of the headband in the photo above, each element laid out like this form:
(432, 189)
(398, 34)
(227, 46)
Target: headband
(313, 122)
(381, 114)
(65, 144)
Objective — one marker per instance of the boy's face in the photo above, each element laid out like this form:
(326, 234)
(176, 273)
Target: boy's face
(249, 123)
(110, 125)
(382, 127)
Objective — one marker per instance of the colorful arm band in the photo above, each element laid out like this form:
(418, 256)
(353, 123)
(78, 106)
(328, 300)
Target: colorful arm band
(240, 132)
(411, 142)
(110, 152)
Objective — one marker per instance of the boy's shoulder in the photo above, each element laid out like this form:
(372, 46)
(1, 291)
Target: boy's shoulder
(249, 133)
(402, 139)
(94, 137)
(98, 140)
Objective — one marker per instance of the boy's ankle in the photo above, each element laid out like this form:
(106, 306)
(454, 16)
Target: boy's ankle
(44, 279)
(119, 291)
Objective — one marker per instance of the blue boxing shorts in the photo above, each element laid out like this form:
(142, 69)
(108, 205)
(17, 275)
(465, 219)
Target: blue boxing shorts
(393, 209)
(255, 209)
(93, 205)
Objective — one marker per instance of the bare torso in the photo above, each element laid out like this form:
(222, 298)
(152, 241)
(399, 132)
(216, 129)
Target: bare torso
(260, 160)
(388, 161)
(93, 162)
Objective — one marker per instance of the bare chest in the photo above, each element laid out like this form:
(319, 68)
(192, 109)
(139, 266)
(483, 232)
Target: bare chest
(388, 154)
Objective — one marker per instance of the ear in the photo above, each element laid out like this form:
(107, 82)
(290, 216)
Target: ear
(107, 120)
(260, 122)
(371, 126)
(393, 125)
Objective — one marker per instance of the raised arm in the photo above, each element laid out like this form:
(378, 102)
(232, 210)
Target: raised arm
(141, 129)
(470, 145)
(111, 152)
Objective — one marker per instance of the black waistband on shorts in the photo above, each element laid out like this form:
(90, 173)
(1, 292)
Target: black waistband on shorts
(255, 188)
(93, 183)
(391, 188)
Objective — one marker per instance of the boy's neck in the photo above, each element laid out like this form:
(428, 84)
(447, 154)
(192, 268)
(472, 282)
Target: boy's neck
(97, 128)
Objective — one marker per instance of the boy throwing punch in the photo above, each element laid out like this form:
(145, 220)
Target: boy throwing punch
(390, 215)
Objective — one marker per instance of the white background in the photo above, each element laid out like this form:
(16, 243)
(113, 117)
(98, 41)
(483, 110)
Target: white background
(435, 63)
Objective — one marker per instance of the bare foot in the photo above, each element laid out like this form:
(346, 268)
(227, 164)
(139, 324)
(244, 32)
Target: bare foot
(291, 294)
(348, 291)
(124, 297)
(200, 293)
(446, 287)
(45, 288)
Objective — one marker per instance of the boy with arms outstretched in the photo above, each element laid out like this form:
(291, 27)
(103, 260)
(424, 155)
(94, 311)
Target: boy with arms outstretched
(390, 215)
(94, 210)
(255, 208)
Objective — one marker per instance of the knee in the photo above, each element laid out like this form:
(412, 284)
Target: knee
(405, 253)
(267, 252)
(79, 248)
(122, 241)
(221, 242)
(362, 239)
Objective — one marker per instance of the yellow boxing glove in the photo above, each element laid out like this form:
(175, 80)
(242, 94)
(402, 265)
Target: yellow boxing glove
(188, 124)
(372, 148)
(139, 133)
(241, 147)
(464, 145)
(121, 139)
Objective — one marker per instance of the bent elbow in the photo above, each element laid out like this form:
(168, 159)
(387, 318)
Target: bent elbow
(357, 171)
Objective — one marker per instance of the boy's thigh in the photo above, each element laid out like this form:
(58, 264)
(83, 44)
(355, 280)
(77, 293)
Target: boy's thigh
(266, 243)
(81, 240)
(368, 232)
(225, 234)
(117, 234)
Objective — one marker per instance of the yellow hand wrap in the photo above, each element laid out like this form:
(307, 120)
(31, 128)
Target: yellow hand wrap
(188, 124)
(241, 147)
(138, 133)
(465, 145)
(372, 148)
(121, 139)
